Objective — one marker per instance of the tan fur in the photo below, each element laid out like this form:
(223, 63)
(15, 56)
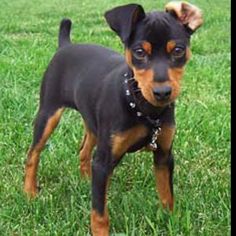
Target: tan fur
(145, 79)
(188, 53)
(147, 47)
(166, 137)
(85, 152)
(121, 142)
(30, 184)
(99, 224)
(175, 76)
(162, 176)
(170, 46)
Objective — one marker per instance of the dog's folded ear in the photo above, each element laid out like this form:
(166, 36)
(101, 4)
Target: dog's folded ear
(123, 19)
(189, 15)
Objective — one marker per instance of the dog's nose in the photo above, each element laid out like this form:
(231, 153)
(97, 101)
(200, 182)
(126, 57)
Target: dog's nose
(162, 93)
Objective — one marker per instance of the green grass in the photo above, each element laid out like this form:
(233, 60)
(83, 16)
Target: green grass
(28, 39)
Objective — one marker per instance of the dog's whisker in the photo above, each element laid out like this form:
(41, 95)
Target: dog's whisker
(130, 79)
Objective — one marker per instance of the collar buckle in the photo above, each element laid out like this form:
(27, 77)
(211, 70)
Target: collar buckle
(153, 143)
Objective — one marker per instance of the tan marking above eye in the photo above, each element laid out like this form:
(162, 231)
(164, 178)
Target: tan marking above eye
(147, 47)
(170, 46)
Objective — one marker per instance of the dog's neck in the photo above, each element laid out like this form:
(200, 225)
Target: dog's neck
(138, 104)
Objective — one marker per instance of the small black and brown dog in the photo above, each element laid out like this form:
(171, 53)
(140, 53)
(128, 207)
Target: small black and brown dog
(127, 103)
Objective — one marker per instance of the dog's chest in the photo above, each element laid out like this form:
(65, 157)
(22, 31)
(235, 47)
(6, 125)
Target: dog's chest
(140, 144)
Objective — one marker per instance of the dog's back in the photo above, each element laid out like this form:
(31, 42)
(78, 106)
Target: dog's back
(69, 71)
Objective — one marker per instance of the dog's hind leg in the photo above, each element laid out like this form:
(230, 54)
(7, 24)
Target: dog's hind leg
(86, 149)
(46, 121)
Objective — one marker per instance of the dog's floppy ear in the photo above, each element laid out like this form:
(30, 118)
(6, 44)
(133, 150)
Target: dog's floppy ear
(124, 18)
(189, 15)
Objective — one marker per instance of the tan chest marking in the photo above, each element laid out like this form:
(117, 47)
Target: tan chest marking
(122, 141)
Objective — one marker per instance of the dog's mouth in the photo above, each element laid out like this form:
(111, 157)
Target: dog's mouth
(163, 103)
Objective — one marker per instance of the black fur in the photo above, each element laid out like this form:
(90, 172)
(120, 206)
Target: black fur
(90, 79)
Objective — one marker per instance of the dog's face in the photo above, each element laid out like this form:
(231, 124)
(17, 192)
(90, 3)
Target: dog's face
(157, 46)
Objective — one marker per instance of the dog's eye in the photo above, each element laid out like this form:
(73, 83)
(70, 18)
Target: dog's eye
(139, 53)
(178, 52)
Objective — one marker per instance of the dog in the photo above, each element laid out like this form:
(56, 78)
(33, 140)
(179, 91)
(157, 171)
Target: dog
(127, 102)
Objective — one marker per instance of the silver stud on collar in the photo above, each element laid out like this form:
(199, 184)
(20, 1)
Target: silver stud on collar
(127, 92)
(125, 74)
(139, 113)
(132, 104)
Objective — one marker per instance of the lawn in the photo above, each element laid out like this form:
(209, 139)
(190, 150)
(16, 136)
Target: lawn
(28, 39)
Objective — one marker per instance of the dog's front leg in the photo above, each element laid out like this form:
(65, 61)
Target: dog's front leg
(101, 171)
(164, 174)
(164, 166)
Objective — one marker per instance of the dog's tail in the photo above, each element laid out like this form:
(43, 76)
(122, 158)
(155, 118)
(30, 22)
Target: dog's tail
(64, 33)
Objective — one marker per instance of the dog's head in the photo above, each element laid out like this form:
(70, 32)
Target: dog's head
(156, 45)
